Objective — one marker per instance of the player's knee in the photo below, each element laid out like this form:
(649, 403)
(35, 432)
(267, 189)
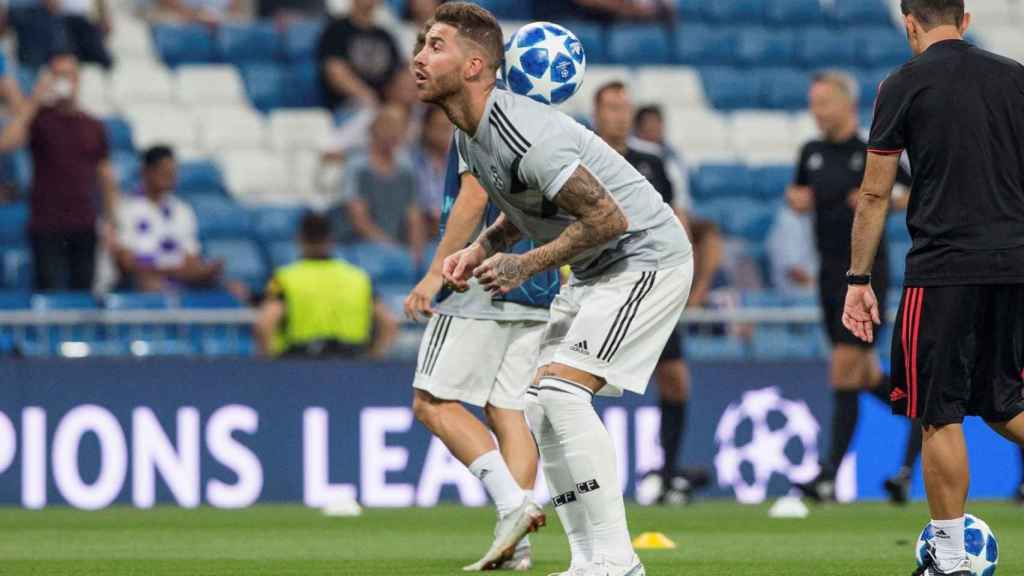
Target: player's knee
(534, 413)
(561, 372)
(673, 381)
(425, 407)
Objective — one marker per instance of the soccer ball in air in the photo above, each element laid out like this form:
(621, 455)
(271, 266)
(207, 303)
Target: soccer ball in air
(544, 61)
(982, 548)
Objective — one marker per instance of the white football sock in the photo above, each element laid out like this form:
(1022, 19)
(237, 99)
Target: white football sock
(492, 470)
(949, 543)
(571, 512)
(590, 458)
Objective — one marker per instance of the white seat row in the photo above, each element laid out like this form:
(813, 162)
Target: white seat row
(756, 137)
(135, 82)
(262, 176)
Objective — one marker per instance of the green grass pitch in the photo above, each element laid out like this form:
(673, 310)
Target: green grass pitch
(714, 538)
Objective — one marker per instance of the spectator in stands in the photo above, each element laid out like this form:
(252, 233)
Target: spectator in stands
(322, 307)
(379, 188)
(601, 10)
(157, 247)
(649, 135)
(73, 181)
(208, 12)
(357, 58)
(50, 26)
(14, 101)
(430, 158)
(417, 12)
(794, 261)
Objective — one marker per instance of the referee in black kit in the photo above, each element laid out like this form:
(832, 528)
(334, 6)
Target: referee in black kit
(959, 337)
(827, 176)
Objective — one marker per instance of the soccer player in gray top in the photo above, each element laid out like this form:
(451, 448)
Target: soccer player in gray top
(561, 186)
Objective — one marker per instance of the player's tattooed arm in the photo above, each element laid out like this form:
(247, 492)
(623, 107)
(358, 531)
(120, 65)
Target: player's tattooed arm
(598, 221)
(499, 236)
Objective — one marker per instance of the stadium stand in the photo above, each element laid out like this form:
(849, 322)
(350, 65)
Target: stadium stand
(241, 105)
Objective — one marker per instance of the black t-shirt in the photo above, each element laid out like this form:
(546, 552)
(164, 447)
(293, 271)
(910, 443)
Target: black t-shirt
(959, 112)
(834, 170)
(653, 168)
(372, 53)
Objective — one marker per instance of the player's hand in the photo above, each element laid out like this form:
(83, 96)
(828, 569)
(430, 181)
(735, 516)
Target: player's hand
(502, 273)
(419, 302)
(861, 315)
(458, 268)
(800, 198)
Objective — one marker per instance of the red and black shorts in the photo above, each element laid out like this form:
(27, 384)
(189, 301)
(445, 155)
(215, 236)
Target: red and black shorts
(959, 351)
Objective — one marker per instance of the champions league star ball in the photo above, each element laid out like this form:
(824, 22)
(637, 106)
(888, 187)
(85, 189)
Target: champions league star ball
(982, 548)
(544, 61)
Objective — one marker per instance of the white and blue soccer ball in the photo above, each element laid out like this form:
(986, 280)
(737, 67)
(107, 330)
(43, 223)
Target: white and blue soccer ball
(544, 61)
(981, 544)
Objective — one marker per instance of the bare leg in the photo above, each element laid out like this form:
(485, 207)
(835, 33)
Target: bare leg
(946, 471)
(464, 435)
(516, 442)
(1012, 430)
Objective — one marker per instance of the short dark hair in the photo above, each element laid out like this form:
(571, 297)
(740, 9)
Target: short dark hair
(614, 85)
(156, 154)
(476, 24)
(932, 13)
(649, 110)
(314, 228)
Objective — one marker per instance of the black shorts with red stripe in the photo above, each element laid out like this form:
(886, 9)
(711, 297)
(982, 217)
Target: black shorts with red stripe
(959, 351)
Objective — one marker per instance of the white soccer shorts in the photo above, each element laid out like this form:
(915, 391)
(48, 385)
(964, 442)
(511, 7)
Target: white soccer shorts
(478, 362)
(616, 327)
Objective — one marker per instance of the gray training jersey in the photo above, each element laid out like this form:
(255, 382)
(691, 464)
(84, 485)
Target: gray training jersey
(524, 152)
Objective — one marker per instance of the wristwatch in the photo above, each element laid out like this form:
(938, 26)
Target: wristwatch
(858, 279)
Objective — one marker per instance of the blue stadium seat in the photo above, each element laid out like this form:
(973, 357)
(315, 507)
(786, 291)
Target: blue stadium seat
(716, 181)
(818, 47)
(741, 217)
(730, 88)
(897, 261)
(765, 299)
(638, 44)
(200, 176)
(784, 88)
(16, 267)
(770, 182)
(794, 12)
(243, 43)
(758, 46)
(753, 225)
(184, 44)
(709, 348)
(428, 257)
(735, 11)
(300, 40)
(242, 258)
(208, 299)
(64, 301)
(13, 219)
(393, 296)
(265, 85)
(135, 301)
(857, 12)
(26, 79)
(779, 343)
(219, 216)
(303, 81)
(282, 253)
(870, 79)
(592, 36)
(881, 46)
(276, 223)
(127, 168)
(16, 300)
(508, 9)
(690, 10)
(21, 168)
(896, 229)
(119, 134)
(384, 263)
(227, 346)
(701, 45)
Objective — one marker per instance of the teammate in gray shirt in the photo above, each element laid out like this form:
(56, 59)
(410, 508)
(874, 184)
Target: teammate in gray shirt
(561, 186)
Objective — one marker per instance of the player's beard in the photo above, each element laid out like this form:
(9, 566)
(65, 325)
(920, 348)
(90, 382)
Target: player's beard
(444, 88)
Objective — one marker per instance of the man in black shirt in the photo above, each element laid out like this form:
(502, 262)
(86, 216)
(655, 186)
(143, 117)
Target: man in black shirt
(959, 337)
(613, 115)
(827, 177)
(357, 58)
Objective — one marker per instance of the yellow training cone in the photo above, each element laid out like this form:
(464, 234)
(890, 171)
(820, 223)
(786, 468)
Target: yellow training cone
(653, 541)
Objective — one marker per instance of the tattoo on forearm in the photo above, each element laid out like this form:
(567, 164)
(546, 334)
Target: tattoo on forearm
(499, 237)
(598, 220)
(509, 271)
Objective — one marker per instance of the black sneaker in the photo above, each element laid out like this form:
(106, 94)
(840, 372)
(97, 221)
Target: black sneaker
(821, 491)
(898, 489)
(929, 568)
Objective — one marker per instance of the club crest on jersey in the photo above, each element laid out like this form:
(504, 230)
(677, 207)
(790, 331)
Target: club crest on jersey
(499, 182)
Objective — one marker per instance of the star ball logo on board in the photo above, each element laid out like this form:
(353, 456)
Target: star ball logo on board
(762, 436)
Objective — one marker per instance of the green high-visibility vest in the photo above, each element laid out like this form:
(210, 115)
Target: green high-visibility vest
(324, 300)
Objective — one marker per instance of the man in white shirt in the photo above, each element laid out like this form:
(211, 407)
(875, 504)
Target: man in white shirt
(157, 245)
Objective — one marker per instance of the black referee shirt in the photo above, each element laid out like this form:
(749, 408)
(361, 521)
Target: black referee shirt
(653, 168)
(833, 170)
(959, 112)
